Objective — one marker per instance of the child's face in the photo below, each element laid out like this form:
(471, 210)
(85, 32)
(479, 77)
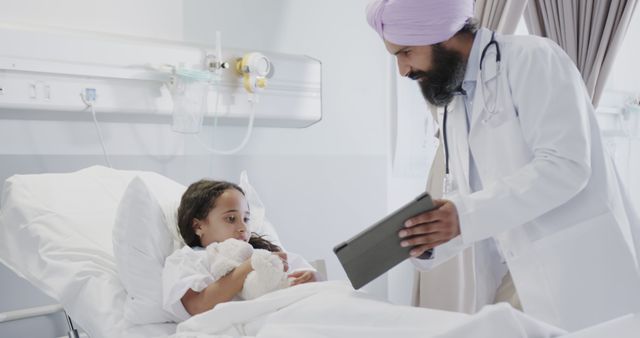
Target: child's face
(228, 219)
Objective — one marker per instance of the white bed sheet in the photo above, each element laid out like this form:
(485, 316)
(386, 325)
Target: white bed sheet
(149, 331)
(623, 327)
(334, 309)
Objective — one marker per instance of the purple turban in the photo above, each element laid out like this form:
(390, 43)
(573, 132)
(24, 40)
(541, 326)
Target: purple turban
(418, 22)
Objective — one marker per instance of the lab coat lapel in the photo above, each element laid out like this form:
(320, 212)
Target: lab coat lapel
(488, 80)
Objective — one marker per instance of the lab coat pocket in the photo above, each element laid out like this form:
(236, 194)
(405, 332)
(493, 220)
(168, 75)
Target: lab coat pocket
(495, 101)
(498, 116)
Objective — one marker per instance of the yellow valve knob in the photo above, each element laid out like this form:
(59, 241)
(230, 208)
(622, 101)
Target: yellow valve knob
(239, 66)
(261, 82)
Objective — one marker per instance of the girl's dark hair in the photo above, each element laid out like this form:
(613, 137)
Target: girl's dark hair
(259, 242)
(199, 198)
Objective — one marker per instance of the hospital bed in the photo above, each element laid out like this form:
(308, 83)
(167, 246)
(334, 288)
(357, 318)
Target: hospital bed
(57, 232)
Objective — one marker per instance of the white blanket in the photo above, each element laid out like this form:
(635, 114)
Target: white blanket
(334, 309)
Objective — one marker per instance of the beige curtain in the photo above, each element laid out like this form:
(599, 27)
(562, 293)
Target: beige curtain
(450, 285)
(590, 31)
(501, 16)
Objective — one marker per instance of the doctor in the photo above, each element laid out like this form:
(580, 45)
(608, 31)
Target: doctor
(528, 185)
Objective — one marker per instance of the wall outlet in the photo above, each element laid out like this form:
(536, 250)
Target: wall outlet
(90, 94)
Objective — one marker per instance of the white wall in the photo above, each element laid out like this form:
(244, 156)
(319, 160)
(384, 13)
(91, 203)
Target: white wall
(145, 18)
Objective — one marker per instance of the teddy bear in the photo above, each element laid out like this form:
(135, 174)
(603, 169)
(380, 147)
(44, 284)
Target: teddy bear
(268, 270)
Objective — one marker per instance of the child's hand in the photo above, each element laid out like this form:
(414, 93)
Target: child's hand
(283, 257)
(300, 277)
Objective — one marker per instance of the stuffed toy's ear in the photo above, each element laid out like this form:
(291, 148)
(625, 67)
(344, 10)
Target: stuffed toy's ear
(227, 255)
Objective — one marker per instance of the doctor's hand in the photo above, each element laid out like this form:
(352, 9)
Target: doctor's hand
(432, 228)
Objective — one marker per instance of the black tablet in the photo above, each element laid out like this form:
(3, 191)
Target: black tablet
(377, 249)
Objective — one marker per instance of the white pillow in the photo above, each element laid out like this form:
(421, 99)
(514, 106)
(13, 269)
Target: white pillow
(55, 231)
(146, 233)
(141, 242)
(258, 222)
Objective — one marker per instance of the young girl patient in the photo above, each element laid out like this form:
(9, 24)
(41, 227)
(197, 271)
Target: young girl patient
(212, 212)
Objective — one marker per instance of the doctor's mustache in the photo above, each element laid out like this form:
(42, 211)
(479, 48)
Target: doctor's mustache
(443, 81)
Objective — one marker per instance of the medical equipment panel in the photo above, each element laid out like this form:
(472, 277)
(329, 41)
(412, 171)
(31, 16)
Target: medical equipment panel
(50, 73)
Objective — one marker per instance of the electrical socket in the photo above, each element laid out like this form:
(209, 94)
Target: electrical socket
(90, 94)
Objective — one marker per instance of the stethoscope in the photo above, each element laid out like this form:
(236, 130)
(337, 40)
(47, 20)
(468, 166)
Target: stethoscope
(449, 185)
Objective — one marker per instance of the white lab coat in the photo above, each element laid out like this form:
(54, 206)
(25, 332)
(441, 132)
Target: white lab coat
(551, 198)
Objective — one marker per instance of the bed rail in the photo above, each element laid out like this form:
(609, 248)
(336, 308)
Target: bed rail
(30, 312)
(36, 312)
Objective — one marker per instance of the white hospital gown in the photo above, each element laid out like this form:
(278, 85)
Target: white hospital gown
(188, 268)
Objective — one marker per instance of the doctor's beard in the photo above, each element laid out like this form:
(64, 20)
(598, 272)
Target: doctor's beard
(439, 84)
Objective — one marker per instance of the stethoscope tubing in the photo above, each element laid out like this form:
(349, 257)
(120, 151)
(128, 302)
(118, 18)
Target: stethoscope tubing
(444, 118)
